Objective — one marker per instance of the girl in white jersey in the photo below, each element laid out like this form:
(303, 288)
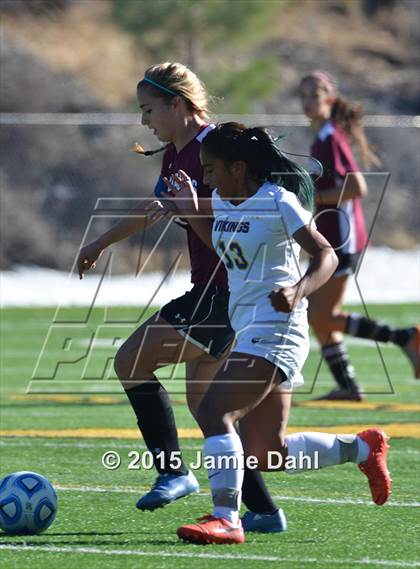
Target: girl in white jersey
(258, 230)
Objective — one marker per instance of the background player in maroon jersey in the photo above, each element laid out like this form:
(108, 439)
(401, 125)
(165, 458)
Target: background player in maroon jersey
(173, 103)
(336, 122)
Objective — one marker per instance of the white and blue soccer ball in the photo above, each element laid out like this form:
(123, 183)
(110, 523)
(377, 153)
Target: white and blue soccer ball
(28, 503)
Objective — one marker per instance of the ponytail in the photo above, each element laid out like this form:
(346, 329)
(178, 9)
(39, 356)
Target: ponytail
(138, 149)
(290, 175)
(348, 116)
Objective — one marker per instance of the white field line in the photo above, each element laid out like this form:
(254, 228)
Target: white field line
(343, 501)
(224, 556)
(330, 501)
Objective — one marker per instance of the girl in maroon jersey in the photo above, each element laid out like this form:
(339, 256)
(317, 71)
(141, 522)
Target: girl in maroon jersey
(173, 103)
(336, 123)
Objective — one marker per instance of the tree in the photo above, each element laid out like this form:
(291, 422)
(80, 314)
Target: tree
(213, 37)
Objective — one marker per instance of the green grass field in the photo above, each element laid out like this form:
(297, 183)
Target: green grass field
(61, 427)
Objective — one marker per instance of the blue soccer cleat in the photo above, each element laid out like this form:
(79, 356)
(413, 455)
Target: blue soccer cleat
(168, 488)
(264, 523)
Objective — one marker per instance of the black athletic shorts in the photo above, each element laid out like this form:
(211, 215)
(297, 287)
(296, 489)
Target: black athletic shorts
(201, 316)
(347, 263)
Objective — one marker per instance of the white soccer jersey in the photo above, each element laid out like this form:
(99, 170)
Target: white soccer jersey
(254, 240)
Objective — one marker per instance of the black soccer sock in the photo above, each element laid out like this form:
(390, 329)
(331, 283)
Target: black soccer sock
(255, 493)
(362, 327)
(338, 361)
(155, 418)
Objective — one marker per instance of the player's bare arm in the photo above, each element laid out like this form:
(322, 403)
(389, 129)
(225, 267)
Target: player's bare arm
(354, 187)
(139, 219)
(321, 267)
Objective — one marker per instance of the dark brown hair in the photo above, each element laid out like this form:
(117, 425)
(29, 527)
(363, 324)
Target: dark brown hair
(233, 141)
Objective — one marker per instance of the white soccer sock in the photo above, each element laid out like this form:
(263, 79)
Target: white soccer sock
(226, 455)
(308, 451)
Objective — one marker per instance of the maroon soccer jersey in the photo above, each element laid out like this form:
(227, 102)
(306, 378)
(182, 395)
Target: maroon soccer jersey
(343, 226)
(203, 260)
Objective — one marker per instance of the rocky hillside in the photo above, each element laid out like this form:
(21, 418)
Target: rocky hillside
(71, 57)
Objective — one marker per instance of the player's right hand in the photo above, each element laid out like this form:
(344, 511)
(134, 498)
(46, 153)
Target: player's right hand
(87, 257)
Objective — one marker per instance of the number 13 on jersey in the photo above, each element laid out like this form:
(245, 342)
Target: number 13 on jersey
(236, 256)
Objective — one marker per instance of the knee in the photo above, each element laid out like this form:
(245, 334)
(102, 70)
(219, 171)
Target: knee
(120, 364)
(124, 364)
(132, 364)
(193, 407)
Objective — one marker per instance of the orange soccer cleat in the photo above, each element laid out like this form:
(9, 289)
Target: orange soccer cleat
(375, 466)
(212, 530)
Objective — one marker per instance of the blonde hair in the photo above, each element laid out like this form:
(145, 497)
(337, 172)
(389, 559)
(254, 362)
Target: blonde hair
(175, 79)
(347, 114)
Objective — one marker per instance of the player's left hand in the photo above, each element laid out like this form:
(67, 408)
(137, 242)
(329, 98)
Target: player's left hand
(285, 299)
(182, 191)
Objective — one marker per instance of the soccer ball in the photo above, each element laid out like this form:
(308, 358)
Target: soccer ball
(28, 503)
